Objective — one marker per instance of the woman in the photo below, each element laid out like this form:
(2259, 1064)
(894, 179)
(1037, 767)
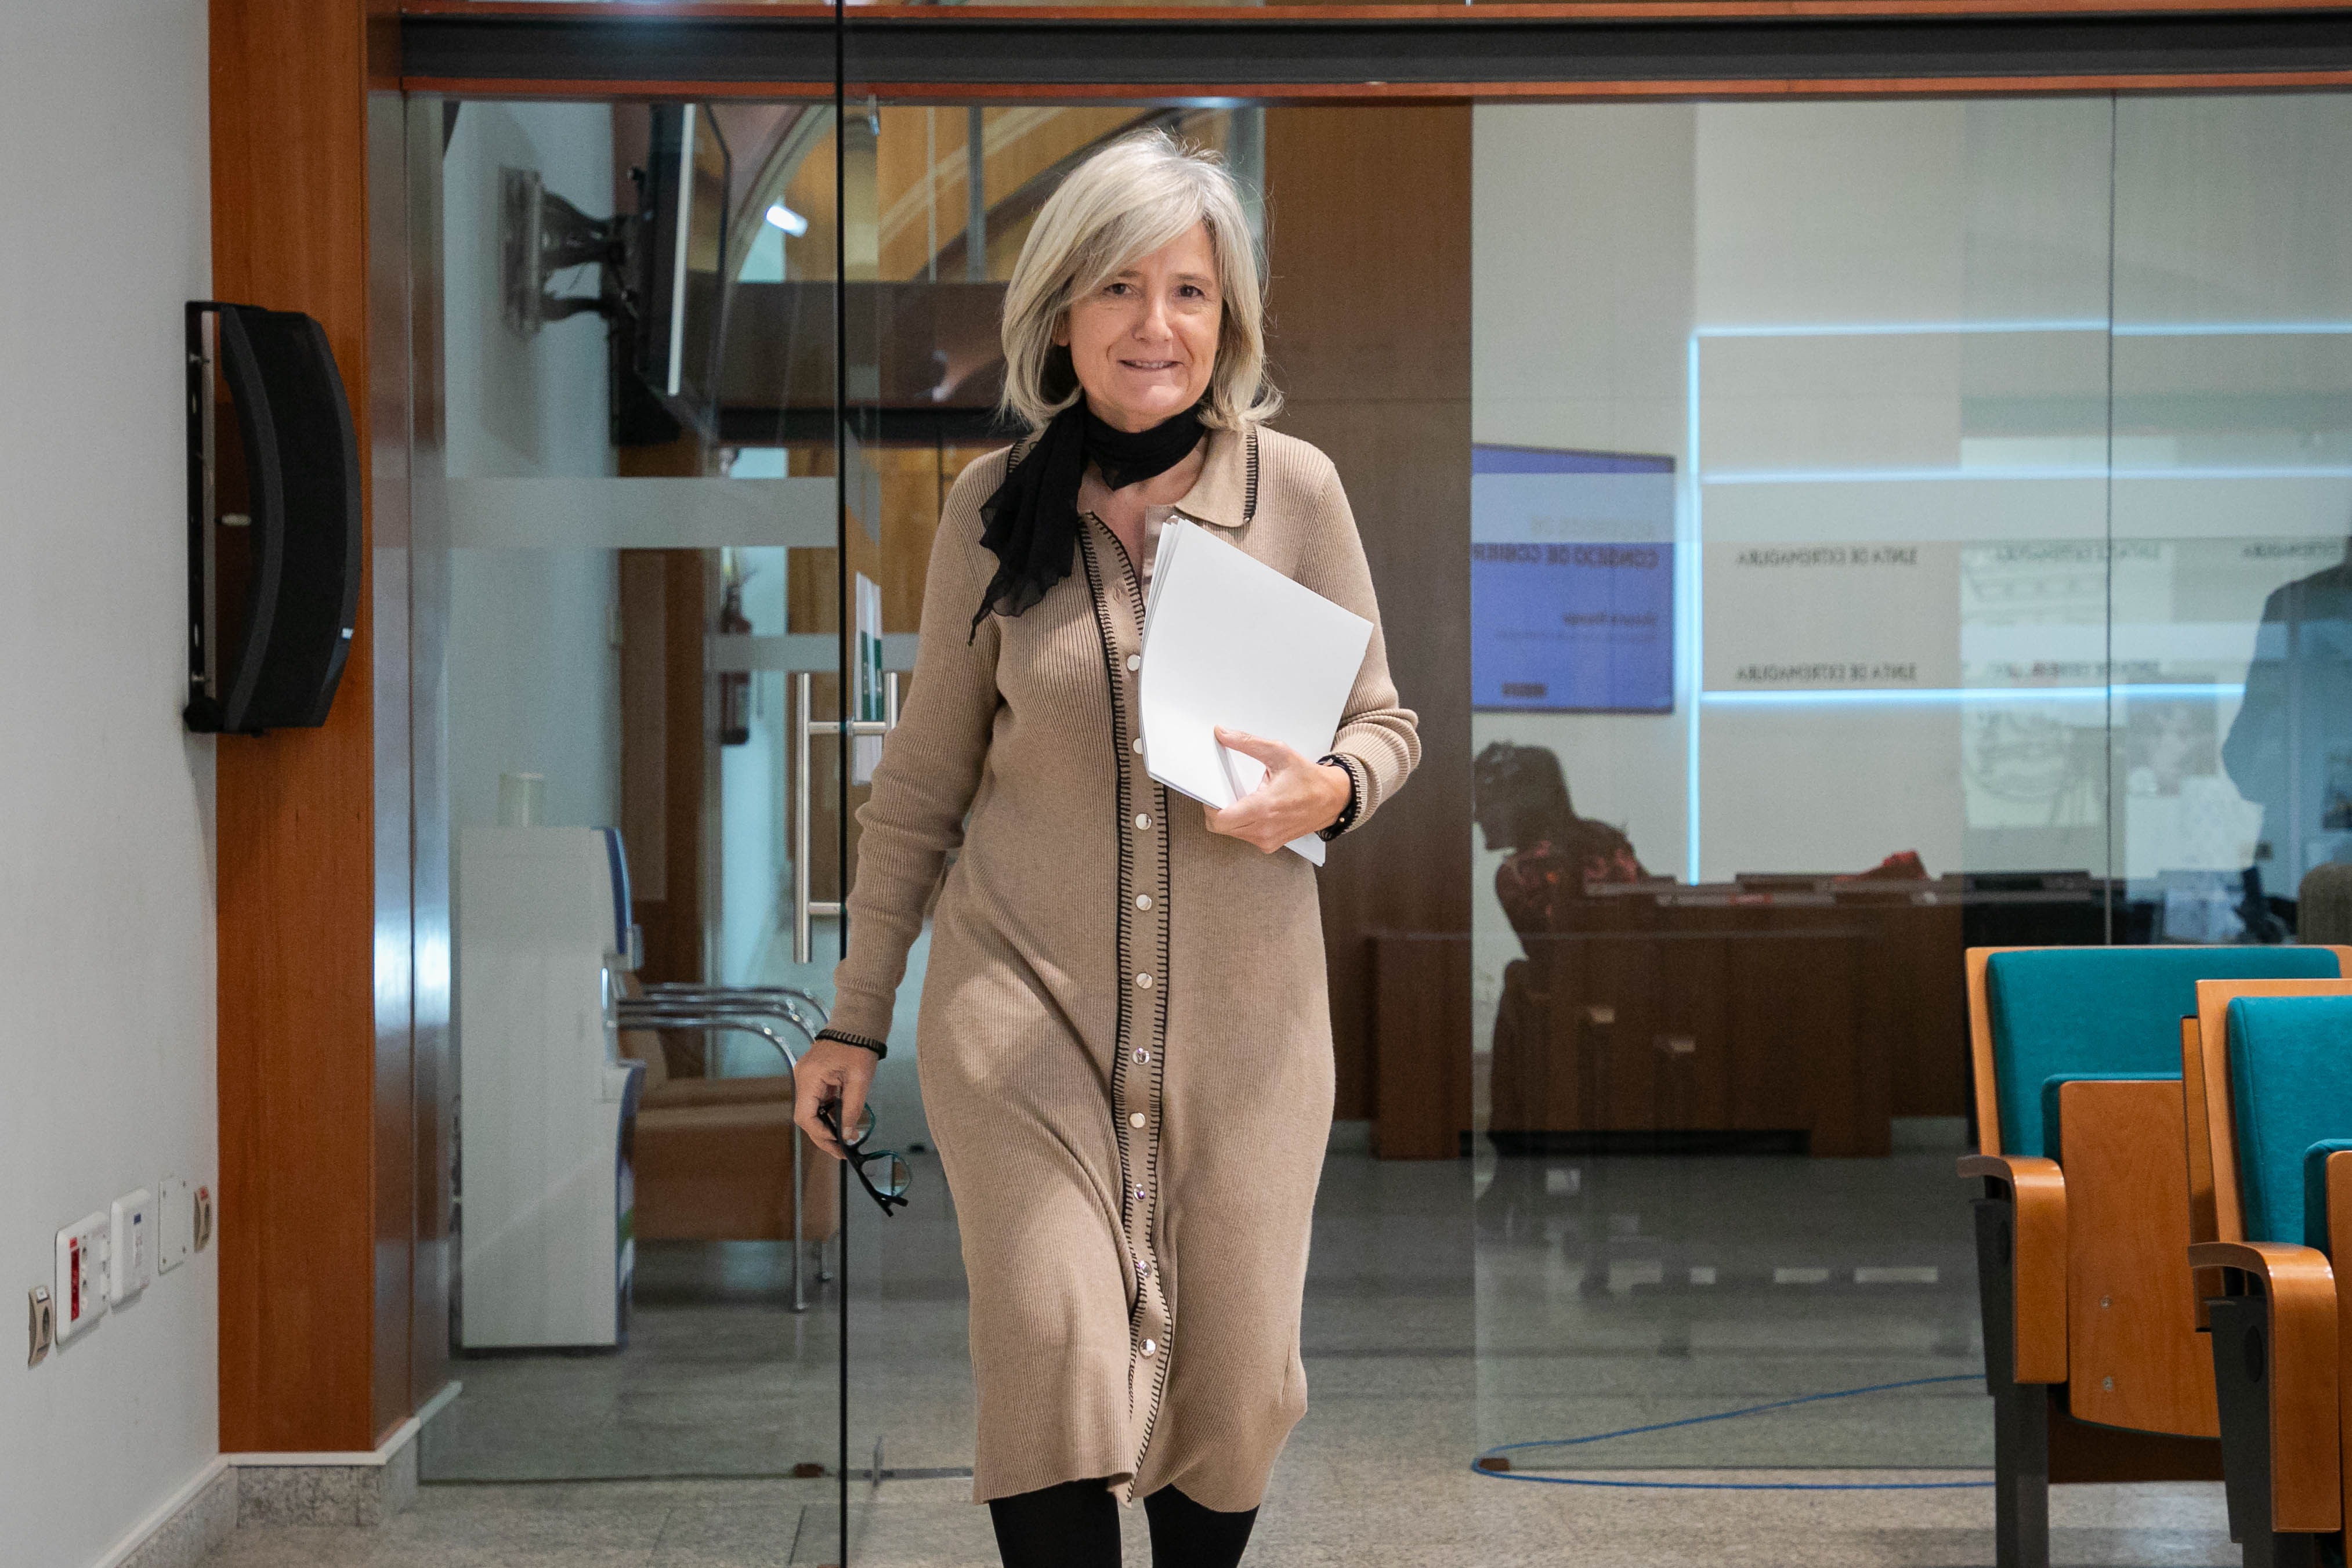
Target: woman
(1127, 1058)
(1521, 799)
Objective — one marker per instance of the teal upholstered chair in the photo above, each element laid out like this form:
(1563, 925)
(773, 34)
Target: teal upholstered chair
(2083, 1225)
(2277, 1072)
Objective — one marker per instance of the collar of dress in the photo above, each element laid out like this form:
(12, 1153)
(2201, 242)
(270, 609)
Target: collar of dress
(1220, 496)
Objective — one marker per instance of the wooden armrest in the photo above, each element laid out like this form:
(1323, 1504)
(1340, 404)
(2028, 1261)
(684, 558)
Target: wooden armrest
(2340, 1244)
(2038, 1198)
(2269, 1260)
(2009, 1168)
(2307, 1469)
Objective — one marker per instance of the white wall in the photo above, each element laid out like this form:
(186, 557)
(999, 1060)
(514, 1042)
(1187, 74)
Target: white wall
(106, 839)
(535, 679)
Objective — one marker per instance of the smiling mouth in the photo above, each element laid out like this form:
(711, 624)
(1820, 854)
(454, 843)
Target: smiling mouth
(1150, 364)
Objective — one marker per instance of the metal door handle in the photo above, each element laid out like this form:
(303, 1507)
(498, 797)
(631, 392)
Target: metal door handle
(803, 728)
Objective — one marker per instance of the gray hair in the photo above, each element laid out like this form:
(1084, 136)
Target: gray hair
(1120, 205)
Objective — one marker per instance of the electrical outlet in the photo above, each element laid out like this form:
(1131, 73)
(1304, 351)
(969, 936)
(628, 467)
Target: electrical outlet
(131, 1254)
(80, 1285)
(42, 1326)
(175, 1223)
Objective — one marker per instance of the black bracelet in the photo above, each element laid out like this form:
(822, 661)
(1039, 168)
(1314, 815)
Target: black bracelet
(1347, 818)
(878, 1048)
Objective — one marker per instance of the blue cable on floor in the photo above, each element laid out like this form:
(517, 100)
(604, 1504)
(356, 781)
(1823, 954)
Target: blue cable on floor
(1479, 1469)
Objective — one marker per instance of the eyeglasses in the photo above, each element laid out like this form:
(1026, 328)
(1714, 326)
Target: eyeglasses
(890, 1192)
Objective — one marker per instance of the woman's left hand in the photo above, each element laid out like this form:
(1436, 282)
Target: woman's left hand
(1298, 795)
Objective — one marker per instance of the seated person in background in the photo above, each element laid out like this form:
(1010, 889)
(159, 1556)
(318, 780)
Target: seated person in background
(2289, 749)
(1521, 799)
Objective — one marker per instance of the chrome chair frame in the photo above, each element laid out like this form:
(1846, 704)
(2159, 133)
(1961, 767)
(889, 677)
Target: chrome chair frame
(739, 1009)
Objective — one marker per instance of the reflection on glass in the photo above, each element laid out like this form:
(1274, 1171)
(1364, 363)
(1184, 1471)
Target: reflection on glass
(1716, 976)
(623, 588)
(2010, 596)
(1884, 538)
(2233, 488)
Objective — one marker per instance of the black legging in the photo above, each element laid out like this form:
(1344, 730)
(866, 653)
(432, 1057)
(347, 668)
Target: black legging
(1075, 1525)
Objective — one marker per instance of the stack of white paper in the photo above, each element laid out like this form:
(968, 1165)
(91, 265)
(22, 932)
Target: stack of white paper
(1227, 640)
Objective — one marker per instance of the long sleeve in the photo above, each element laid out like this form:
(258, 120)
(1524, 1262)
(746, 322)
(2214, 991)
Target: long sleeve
(1378, 737)
(929, 770)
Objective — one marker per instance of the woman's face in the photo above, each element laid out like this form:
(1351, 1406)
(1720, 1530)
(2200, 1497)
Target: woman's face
(1144, 343)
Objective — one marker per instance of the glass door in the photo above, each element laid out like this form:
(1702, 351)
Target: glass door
(629, 647)
(1815, 537)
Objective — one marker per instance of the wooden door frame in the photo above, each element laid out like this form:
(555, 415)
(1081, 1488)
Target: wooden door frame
(1296, 54)
(333, 1305)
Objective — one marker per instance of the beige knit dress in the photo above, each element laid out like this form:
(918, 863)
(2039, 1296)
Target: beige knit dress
(1125, 1036)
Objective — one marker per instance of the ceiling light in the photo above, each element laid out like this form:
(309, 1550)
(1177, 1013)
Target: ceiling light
(791, 222)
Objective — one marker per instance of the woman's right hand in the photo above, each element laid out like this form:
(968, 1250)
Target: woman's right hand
(830, 1070)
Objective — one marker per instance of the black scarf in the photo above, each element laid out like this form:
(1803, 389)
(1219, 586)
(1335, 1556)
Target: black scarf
(1032, 521)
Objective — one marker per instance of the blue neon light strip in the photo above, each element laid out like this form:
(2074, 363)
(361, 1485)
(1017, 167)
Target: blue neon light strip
(1999, 328)
(1859, 696)
(1941, 476)
(1693, 622)
(2234, 329)
(1900, 328)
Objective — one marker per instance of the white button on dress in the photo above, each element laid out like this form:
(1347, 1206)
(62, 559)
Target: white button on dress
(1142, 982)
(1143, 901)
(1136, 1120)
(1134, 661)
(1143, 820)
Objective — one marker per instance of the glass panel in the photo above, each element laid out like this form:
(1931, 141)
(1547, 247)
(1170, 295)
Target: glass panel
(638, 518)
(2234, 487)
(1786, 605)
(1796, 580)
(939, 200)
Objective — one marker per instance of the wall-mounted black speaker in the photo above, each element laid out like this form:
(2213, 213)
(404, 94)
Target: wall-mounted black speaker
(274, 558)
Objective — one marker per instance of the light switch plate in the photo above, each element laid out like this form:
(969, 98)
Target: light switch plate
(131, 1259)
(80, 1289)
(175, 1223)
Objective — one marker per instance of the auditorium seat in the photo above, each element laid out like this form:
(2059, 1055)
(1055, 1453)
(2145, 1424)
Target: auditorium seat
(2271, 1067)
(2091, 1347)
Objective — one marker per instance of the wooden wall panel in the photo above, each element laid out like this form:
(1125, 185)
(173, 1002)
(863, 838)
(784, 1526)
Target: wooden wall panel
(664, 739)
(1369, 238)
(296, 814)
(394, 1162)
(434, 1085)
(1421, 1029)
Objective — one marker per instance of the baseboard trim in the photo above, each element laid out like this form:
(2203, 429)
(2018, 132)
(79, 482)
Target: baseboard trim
(183, 1528)
(439, 1402)
(361, 1488)
(402, 1435)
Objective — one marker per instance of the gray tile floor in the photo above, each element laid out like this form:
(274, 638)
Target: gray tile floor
(1392, 1515)
(1452, 1307)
